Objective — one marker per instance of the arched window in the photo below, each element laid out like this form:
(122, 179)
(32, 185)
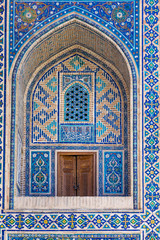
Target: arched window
(76, 107)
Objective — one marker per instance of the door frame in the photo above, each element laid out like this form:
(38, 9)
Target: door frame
(78, 153)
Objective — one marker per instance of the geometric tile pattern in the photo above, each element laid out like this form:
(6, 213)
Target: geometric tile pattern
(76, 62)
(77, 103)
(40, 172)
(108, 107)
(73, 221)
(44, 110)
(151, 123)
(76, 107)
(113, 172)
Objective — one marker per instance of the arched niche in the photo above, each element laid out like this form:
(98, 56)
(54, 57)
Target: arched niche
(72, 33)
(73, 36)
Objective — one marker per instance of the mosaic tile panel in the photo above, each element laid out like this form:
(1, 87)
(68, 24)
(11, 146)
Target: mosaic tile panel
(108, 110)
(151, 119)
(77, 221)
(44, 109)
(77, 103)
(77, 133)
(113, 172)
(85, 78)
(29, 14)
(119, 17)
(73, 236)
(40, 169)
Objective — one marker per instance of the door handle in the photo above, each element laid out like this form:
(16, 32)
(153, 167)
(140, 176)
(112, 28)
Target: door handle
(76, 187)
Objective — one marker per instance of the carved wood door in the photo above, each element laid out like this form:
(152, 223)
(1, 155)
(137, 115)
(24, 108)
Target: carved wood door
(76, 175)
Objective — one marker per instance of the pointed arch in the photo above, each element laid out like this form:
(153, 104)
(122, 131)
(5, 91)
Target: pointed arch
(25, 70)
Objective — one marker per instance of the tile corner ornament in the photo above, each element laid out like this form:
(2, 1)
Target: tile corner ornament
(122, 19)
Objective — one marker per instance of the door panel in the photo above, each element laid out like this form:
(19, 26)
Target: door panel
(66, 175)
(76, 175)
(85, 175)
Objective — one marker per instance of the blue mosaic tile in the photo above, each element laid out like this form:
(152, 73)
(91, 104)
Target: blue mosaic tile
(69, 236)
(118, 15)
(44, 110)
(76, 133)
(152, 103)
(85, 78)
(108, 116)
(113, 172)
(40, 172)
(108, 111)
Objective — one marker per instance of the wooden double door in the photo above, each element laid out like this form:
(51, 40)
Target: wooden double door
(76, 174)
